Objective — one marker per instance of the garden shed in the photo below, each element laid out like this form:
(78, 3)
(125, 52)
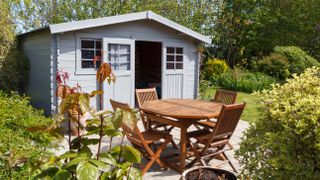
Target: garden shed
(144, 50)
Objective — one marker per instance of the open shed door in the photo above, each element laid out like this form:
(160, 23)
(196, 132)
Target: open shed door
(173, 70)
(119, 54)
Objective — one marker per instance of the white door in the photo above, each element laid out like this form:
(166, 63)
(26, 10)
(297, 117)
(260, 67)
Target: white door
(119, 54)
(173, 70)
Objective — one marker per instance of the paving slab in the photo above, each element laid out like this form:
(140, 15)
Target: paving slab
(154, 172)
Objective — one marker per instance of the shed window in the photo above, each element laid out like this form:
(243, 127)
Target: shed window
(119, 56)
(174, 58)
(91, 49)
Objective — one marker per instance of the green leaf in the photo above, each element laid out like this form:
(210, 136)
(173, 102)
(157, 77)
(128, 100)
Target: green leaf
(109, 130)
(87, 141)
(129, 118)
(84, 102)
(75, 143)
(100, 164)
(87, 171)
(74, 162)
(85, 152)
(93, 122)
(117, 119)
(131, 154)
(108, 158)
(115, 151)
(49, 172)
(62, 175)
(68, 154)
(92, 130)
(134, 174)
(106, 175)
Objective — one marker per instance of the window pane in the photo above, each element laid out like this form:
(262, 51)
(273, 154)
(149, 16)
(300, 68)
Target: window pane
(179, 58)
(124, 66)
(98, 45)
(87, 44)
(112, 48)
(98, 63)
(87, 54)
(170, 50)
(112, 57)
(87, 64)
(170, 58)
(179, 50)
(98, 53)
(170, 65)
(179, 66)
(124, 49)
(113, 65)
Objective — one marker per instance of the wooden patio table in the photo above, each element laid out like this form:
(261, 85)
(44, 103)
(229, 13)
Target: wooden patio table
(184, 113)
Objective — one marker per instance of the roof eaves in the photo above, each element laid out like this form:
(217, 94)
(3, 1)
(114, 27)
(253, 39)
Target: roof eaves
(90, 23)
(178, 27)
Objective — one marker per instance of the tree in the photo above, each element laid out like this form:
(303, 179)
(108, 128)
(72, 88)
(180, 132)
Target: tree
(6, 30)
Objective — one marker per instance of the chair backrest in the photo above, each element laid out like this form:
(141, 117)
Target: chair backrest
(225, 97)
(144, 95)
(133, 133)
(226, 123)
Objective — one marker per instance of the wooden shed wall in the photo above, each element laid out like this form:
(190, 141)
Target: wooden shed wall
(37, 48)
(145, 30)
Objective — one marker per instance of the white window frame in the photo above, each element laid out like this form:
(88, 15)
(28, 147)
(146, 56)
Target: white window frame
(79, 37)
(174, 54)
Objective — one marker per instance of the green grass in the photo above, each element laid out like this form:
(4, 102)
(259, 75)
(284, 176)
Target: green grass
(251, 112)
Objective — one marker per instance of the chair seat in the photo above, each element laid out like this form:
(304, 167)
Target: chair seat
(203, 136)
(197, 133)
(150, 136)
(206, 123)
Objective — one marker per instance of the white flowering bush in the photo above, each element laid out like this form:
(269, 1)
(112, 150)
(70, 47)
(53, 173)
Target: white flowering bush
(285, 142)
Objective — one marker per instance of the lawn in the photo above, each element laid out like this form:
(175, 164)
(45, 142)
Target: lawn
(251, 112)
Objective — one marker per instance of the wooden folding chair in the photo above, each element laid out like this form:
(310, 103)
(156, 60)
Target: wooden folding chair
(221, 96)
(209, 145)
(144, 95)
(143, 141)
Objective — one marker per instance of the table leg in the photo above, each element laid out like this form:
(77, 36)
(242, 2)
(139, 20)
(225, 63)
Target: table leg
(183, 148)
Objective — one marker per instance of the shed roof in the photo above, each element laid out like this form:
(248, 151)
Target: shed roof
(90, 23)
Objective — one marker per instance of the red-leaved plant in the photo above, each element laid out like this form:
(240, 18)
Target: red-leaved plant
(79, 162)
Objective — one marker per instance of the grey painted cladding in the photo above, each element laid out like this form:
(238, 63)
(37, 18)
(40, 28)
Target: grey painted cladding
(48, 52)
(37, 48)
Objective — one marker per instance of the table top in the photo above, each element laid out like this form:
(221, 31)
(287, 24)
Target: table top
(183, 108)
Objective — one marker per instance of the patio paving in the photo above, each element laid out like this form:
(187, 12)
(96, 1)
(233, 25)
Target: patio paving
(154, 172)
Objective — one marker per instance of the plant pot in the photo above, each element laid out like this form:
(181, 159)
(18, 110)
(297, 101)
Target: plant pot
(74, 122)
(207, 173)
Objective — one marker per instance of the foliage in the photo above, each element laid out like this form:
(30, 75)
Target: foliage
(298, 59)
(14, 71)
(20, 149)
(80, 162)
(283, 23)
(203, 87)
(284, 143)
(6, 30)
(239, 80)
(34, 14)
(274, 65)
(215, 67)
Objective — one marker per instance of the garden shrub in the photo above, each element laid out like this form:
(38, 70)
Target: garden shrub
(240, 80)
(14, 72)
(274, 65)
(20, 149)
(215, 67)
(298, 59)
(285, 142)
